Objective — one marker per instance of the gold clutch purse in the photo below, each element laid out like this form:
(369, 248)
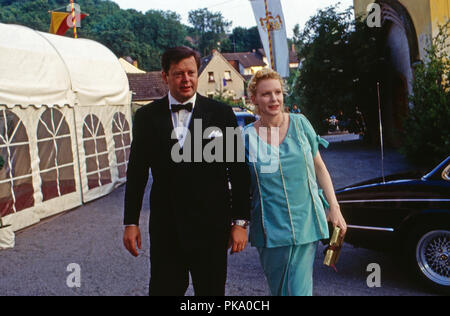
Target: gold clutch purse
(334, 249)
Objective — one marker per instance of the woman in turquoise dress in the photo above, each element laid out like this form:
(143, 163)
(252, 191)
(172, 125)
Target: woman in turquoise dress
(288, 209)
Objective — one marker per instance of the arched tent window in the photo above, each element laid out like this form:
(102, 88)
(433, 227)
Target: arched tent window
(16, 182)
(122, 142)
(55, 155)
(96, 151)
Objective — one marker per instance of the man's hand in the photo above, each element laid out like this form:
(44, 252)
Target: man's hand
(238, 239)
(131, 238)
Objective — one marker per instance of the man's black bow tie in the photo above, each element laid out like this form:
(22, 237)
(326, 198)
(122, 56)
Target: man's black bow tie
(179, 107)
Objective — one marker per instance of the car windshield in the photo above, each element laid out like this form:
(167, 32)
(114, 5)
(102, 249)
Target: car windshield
(245, 119)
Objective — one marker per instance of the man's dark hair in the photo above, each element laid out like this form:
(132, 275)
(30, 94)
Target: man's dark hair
(175, 54)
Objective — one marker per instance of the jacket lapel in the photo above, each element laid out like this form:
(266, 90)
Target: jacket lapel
(200, 112)
(163, 120)
(200, 120)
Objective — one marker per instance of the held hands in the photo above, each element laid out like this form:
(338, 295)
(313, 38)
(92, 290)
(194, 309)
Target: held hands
(238, 239)
(131, 238)
(336, 218)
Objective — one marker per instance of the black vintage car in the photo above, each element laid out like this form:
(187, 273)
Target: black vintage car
(407, 213)
(244, 118)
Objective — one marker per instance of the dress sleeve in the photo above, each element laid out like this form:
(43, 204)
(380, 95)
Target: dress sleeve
(314, 139)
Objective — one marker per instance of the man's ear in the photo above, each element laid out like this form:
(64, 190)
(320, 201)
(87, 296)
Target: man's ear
(164, 77)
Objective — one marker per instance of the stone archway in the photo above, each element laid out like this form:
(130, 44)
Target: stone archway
(401, 53)
(394, 12)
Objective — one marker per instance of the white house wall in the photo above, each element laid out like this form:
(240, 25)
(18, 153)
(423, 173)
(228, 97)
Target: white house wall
(218, 66)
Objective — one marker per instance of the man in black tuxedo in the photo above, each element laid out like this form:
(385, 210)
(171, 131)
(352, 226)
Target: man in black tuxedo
(193, 219)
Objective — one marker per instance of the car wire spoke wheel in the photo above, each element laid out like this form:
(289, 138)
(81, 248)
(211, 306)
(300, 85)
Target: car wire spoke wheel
(433, 256)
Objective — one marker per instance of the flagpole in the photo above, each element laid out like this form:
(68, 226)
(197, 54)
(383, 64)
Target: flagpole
(74, 20)
(272, 62)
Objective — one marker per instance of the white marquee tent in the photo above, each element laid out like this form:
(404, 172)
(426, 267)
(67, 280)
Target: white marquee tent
(65, 121)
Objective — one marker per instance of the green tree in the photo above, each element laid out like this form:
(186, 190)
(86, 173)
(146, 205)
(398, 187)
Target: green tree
(427, 127)
(210, 29)
(244, 40)
(126, 32)
(340, 65)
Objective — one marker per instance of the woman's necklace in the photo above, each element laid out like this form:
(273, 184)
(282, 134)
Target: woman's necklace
(282, 122)
(268, 132)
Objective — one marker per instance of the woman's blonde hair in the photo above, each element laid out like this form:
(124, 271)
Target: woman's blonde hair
(260, 75)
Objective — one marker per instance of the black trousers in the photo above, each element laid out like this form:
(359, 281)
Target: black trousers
(170, 266)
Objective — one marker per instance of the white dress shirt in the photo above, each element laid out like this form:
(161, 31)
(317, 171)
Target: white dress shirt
(182, 118)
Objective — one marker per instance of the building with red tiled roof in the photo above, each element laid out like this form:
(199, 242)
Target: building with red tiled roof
(293, 57)
(147, 87)
(218, 77)
(246, 63)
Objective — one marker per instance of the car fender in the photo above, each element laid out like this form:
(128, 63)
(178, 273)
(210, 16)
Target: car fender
(424, 217)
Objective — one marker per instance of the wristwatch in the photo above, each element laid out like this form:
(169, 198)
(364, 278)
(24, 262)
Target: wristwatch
(240, 222)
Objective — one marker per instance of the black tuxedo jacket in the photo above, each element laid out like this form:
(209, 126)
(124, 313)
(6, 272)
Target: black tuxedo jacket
(189, 199)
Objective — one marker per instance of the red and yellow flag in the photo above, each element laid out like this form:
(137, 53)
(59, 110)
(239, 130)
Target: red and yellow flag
(60, 22)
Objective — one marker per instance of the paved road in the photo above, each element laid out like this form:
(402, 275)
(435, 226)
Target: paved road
(91, 236)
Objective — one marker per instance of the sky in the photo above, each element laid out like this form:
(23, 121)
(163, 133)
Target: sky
(237, 11)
